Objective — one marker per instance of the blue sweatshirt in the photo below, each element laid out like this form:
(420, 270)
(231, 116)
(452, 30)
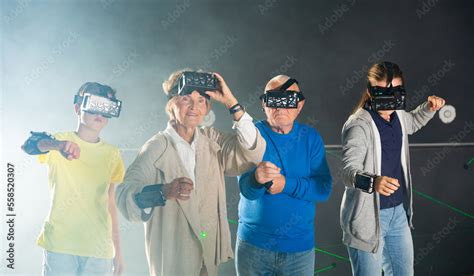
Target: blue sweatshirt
(284, 222)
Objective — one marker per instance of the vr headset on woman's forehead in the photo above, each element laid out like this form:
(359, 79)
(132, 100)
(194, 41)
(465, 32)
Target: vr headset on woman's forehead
(194, 81)
(95, 104)
(281, 97)
(389, 97)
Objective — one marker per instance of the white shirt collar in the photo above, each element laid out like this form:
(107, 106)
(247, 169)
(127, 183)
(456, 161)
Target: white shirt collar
(178, 139)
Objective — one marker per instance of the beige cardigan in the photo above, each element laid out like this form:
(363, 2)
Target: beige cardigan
(183, 235)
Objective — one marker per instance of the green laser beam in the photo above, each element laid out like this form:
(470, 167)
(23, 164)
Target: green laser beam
(332, 245)
(444, 204)
(333, 265)
(432, 198)
(232, 221)
(331, 254)
(333, 154)
(470, 161)
(316, 249)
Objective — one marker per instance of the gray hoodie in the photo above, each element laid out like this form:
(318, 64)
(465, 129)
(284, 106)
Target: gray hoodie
(362, 152)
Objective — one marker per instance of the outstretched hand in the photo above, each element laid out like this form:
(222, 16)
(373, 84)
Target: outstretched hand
(435, 103)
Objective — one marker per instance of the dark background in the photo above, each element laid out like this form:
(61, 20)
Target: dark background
(49, 48)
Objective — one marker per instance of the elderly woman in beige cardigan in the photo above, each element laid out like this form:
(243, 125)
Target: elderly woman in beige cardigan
(190, 234)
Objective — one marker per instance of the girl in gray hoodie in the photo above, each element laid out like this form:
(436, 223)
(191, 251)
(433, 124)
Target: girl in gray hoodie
(376, 209)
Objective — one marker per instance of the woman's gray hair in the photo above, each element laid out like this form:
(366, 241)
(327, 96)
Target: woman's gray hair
(170, 84)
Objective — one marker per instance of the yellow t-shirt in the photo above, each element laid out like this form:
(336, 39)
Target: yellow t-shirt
(79, 221)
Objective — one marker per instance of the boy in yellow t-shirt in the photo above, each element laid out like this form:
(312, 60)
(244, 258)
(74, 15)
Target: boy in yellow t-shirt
(80, 235)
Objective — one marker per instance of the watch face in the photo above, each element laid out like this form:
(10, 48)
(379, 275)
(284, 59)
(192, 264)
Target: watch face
(236, 108)
(364, 182)
(150, 196)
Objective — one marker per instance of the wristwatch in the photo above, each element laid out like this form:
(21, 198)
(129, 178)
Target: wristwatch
(150, 196)
(365, 182)
(235, 108)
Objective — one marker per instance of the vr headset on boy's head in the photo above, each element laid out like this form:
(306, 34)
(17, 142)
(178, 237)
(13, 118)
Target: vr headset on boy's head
(194, 81)
(281, 97)
(96, 104)
(389, 97)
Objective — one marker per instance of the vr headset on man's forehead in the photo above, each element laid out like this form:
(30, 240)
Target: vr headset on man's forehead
(281, 97)
(389, 97)
(95, 104)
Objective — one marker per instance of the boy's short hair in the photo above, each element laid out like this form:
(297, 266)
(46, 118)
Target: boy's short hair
(97, 89)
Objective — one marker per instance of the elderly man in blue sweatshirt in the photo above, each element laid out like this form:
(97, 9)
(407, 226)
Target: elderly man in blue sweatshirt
(277, 205)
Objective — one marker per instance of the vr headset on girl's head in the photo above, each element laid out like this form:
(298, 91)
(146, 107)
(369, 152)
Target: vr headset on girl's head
(281, 97)
(389, 97)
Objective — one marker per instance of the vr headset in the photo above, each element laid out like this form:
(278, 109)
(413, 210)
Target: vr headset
(195, 81)
(95, 104)
(389, 97)
(281, 97)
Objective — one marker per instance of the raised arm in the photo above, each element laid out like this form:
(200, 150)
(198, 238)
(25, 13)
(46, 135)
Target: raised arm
(242, 150)
(41, 143)
(420, 116)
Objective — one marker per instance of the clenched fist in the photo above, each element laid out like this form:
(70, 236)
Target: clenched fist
(266, 172)
(385, 185)
(69, 150)
(179, 188)
(435, 103)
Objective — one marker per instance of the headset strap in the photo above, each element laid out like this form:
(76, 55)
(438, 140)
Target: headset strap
(287, 84)
(389, 67)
